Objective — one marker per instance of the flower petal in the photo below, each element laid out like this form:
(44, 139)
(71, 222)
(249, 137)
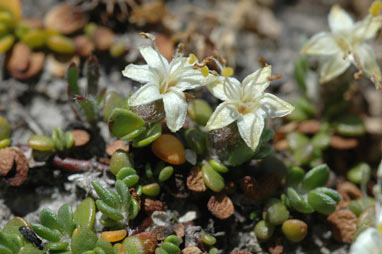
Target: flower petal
(251, 126)
(369, 64)
(175, 106)
(339, 19)
(223, 90)
(153, 58)
(190, 79)
(273, 106)
(140, 73)
(368, 242)
(146, 94)
(367, 28)
(333, 66)
(223, 115)
(321, 44)
(258, 81)
(216, 86)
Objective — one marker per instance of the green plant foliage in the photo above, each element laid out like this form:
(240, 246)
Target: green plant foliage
(306, 193)
(147, 136)
(212, 178)
(117, 207)
(169, 246)
(359, 172)
(122, 122)
(59, 141)
(120, 159)
(84, 216)
(199, 111)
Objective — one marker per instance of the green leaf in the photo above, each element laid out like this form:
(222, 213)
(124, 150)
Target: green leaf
(148, 136)
(126, 171)
(105, 246)
(5, 250)
(350, 125)
(321, 140)
(133, 245)
(199, 111)
(321, 202)
(52, 235)
(112, 101)
(11, 241)
(69, 139)
(29, 249)
(212, 178)
(297, 140)
(58, 139)
(124, 193)
(106, 195)
(65, 219)
(123, 122)
(83, 239)
(196, 140)
(41, 143)
(297, 202)
(57, 246)
(72, 77)
(330, 192)
(84, 215)
(294, 176)
(118, 161)
(300, 69)
(357, 173)
(316, 177)
(89, 107)
(109, 211)
(49, 219)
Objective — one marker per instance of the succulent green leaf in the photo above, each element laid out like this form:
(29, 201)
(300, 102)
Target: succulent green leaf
(133, 209)
(294, 176)
(165, 173)
(148, 136)
(321, 202)
(65, 219)
(92, 75)
(173, 239)
(170, 248)
(321, 140)
(69, 139)
(297, 140)
(297, 202)
(264, 230)
(49, 219)
(133, 245)
(126, 171)
(359, 172)
(208, 239)
(5, 250)
(330, 192)
(350, 125)
(196, 140)
(276, 212)
(200, 111)
(119, 160)
(105, 245)
(30, 249)
(218, 166)
(11, 241)
(41, 143)
(84, 215)
(316, 177)
(83, 239)
(122, 122)
(72, 77)
(52, 235)
(212, 178)
(124, 193)
(57, 246)
(89, 107)
(106, 195)
(111, 101)
(151, 190)
(131, 180)
(5, 128)
(109, 211)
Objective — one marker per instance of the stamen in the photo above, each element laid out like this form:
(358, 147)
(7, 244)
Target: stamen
(191, 59)
(204, 70)
(262, 61)
(275, 77)
(375, 8)
(227, 72)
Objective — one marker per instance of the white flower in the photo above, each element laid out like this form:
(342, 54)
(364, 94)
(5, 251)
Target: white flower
(166, 81)
(346, 45)
(247, 104)
(370, 240)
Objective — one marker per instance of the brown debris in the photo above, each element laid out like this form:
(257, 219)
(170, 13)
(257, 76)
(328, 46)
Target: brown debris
(103, 38)
(241, 252)
(151, 13)
(81, 137)
(11, 158)
(309, 127)
(116, 145)
(341, 143)
(276, 247)
(149, 240)
(135, 195)
(191, 250)
(65, 19)
(195, 180)
(343, 224)
(22, 63)
(281, 145)
(221, 206)
(348, 192)
(57, 65)
(165, 45)
(260, 189)
(83, 45)
(152, 205)
(179, 230)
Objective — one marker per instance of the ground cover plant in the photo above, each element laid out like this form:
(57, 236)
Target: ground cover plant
(168, 127)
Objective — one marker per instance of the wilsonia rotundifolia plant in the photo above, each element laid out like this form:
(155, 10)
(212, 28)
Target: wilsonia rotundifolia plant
(369, 241)
(245, 102)
(346, 44)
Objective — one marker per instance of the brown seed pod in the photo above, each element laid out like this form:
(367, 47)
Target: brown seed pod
(195, 180)
(83, 45)
(12, 157)
(65, 19)
(343, 224)
(221, 206)
(80, 137)
(103, 38)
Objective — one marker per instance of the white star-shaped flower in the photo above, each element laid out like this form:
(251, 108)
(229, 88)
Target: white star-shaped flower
(166, 81)
(346, 45)
(370, 240)
(246, 103)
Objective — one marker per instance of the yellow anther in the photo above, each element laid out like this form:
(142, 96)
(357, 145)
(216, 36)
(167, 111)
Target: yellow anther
(204, 70)
(375, 8)
(380, 228)
(227, 72)
(191, 59)
(114, 236)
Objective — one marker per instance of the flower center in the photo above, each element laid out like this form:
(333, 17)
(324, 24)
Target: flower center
(165, 86)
